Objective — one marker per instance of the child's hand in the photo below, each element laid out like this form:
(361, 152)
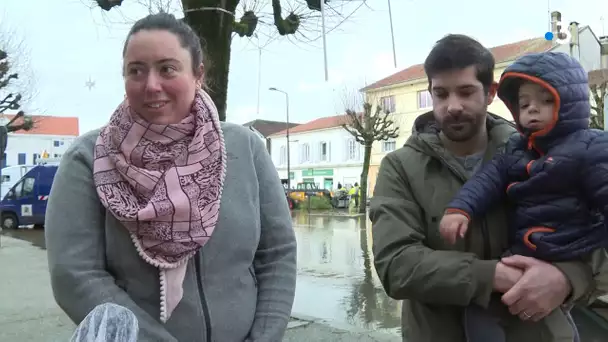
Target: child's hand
(452, 226)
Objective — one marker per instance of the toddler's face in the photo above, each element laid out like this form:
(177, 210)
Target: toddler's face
(536, 106)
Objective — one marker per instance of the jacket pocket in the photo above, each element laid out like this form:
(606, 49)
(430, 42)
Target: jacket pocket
(252, 272)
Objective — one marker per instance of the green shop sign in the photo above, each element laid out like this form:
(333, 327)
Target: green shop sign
(317, 172)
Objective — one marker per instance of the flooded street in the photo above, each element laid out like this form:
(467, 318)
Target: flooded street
(336, 280)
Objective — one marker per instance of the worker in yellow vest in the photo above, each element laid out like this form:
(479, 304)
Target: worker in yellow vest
(355, 193)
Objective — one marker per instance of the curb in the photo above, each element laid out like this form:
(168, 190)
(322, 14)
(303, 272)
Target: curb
(334, 215)
(304, 320)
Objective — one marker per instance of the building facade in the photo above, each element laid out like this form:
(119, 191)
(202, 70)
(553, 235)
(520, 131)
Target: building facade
(405, 94)
(51, 136)
(321, 152)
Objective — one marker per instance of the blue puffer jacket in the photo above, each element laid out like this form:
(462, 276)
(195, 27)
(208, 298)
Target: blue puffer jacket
(557, 178)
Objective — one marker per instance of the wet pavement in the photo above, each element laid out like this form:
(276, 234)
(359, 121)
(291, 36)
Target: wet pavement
(336, 280)
(337, 283)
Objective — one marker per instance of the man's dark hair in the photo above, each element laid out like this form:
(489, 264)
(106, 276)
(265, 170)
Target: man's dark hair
(457, 51)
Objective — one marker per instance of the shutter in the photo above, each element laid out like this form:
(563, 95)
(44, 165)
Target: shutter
(329, 151)
(345, 151)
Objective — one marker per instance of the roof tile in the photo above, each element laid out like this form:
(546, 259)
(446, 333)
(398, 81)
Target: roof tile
(267, 127)
(502, 53)
(317, 124)
(50, 125)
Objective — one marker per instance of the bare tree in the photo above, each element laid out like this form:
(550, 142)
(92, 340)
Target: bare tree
(598, 85)
(10, 100)
(217, 22)
(367, 127)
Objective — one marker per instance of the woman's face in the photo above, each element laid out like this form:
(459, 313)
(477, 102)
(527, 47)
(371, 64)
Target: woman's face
(159, 81)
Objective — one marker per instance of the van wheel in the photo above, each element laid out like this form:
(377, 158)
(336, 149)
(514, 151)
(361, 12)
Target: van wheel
(9, 221)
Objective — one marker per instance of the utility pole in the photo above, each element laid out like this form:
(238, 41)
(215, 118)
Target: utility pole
(259, 80)
(322, 4)
(390, 16)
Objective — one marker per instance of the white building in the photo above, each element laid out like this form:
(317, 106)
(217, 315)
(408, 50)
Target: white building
(321, 152)
(51, 135)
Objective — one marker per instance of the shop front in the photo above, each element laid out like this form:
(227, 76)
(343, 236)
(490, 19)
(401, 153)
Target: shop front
(323, 178)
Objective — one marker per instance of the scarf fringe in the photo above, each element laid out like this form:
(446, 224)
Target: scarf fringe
(163, 296)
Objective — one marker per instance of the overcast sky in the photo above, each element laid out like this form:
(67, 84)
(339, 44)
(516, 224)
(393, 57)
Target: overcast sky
(67, 42)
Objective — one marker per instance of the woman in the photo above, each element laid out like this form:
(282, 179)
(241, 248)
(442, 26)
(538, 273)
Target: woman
(170, 213)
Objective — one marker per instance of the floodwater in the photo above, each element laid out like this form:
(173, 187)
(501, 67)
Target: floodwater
(336, 278)
(337, 281)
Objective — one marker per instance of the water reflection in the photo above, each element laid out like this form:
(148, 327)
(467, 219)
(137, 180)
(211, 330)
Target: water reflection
(368, 303)
(336, 278)
(35, 236)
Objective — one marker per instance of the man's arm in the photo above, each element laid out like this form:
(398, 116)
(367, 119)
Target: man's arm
(275, 259)
(74, 233)
(484, 189)
(406, 267)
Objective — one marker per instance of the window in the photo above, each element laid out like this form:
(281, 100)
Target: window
(282, 155)
(21, 158)
(352, 149)
(28, 186)
(388, 146)
(56, 155)
(35, 158)
(388, 103)
(324, 151)
(424, 99)
(25, 187)
(57, 143)
(305, 156)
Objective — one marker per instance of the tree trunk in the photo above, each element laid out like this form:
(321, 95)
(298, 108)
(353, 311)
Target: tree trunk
(215, 30)
(363, 184)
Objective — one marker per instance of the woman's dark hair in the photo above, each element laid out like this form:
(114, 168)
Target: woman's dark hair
(167, 22)
(457, 51)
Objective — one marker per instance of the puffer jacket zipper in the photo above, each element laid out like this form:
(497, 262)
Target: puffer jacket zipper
(201, 293)
(485, 236)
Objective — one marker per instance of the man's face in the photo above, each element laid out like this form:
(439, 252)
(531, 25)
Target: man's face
(460, 103)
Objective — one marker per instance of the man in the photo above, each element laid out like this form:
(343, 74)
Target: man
(437, 280)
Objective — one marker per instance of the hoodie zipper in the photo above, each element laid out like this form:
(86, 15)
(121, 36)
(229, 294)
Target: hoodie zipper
(201, 292)
(485, 236)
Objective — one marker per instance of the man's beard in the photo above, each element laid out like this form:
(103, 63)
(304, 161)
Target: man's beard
(460, 130)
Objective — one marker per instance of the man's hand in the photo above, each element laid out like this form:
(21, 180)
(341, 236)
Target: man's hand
(452, 226)
(541, 289)
(505, 277)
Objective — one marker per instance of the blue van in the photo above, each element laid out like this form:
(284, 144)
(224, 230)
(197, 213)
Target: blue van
(25, 203)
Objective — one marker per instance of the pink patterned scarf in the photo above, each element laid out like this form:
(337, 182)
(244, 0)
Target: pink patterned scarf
(164, 183)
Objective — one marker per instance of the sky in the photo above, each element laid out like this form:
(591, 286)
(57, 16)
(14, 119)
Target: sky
(61, 44)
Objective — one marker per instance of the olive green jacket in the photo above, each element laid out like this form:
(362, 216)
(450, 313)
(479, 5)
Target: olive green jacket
(434, 279)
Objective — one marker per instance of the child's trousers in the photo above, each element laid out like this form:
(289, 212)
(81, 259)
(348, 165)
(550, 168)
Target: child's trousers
(485, 326)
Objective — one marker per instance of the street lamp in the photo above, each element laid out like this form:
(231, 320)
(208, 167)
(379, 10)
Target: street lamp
(287, 114)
